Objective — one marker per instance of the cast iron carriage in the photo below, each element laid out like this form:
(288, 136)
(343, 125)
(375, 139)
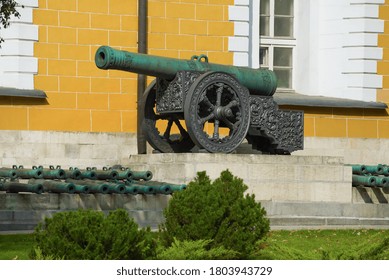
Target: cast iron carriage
(220, 105)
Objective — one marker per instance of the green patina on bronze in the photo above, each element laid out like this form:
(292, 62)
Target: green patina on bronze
(370, 175)
(358, 180)
(257, 81)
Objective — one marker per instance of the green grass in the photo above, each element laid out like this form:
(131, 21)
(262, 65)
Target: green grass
(279, 245)
(15, 246)
(326, 245)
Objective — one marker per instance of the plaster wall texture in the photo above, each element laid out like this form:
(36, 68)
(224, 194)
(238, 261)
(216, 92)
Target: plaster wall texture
(57, 56)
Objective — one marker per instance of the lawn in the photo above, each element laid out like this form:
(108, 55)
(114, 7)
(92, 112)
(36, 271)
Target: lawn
(15, 246)
(279, 245)
(326, 244)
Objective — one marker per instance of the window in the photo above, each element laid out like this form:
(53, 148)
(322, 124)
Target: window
(277, 40)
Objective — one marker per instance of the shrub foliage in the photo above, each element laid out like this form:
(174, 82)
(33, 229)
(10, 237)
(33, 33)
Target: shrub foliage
(195, 250)
(92, 235)
(217, 211)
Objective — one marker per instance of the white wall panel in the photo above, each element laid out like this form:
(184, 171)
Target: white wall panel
(239, 13)
(18, 64)
(336, 49)
(240, 44)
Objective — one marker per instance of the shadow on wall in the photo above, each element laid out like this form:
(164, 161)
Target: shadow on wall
(24, 101)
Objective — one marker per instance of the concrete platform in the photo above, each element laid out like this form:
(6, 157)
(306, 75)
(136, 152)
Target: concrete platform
(269, 177)
(296, 191)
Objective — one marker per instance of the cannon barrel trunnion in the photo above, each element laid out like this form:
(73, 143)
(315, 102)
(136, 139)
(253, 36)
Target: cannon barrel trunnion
(195, 105)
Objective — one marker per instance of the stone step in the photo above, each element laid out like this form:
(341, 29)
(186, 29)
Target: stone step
(326, 209)
(315, 222)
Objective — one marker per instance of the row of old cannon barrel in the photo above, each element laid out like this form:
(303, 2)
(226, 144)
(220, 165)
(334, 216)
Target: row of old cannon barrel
(117, 180)
(370, 175)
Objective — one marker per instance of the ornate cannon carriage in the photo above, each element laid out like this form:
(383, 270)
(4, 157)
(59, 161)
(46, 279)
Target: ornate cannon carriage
(208, 106)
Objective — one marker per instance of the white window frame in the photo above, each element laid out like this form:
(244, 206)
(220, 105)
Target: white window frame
(271, 41)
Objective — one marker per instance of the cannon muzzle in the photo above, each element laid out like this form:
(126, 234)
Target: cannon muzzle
(131, 188)
(382, 182)
(375, 169)
(88, 174)
(8, 173)
(54, 186)
(124, 174)
(141, 175)
(94, 186)
(16, 187)
(73, 173)
(26, 173)
(367, 181)
(257, 81)
(52, 173)
(358, 169)
(106, 174)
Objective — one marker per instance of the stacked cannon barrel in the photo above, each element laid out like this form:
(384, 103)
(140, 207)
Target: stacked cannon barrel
(116, 180)
(370, 176)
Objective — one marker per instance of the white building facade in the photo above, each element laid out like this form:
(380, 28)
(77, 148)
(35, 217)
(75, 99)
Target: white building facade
(316, 47)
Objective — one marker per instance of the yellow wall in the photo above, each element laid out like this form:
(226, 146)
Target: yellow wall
(83, 98)
(342, 122)
(187, 27)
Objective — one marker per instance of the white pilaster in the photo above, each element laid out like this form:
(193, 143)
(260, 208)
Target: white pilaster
(17, 62)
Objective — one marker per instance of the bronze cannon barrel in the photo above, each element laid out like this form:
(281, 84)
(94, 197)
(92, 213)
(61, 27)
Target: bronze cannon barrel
(257, 81)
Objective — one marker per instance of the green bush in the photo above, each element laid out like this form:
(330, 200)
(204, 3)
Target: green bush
(368, 250)
(92, 235)
(38, 255)
(195, 250)
(217, 211)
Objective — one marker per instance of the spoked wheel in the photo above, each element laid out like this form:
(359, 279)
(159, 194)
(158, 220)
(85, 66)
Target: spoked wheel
(217, 112)
(165, 141)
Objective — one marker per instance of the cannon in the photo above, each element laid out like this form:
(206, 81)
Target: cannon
(54, 186)
(124, 173)
(128, 174)
(16, 187)
(26, 173)
(8, 173)
(382, 181)
(141, 175)
(94, 186)
(163, 187)
(194, 105)
(106, 174)
(358, 169)
(88, 173)
(73, 173)
(52, 172)
(367, 181)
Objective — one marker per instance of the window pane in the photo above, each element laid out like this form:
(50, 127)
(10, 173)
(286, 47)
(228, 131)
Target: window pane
(283, 27)
(283, 7)
(284, 77)
(265, 7)
(264, 57)
(283, 57)
(265, 26)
